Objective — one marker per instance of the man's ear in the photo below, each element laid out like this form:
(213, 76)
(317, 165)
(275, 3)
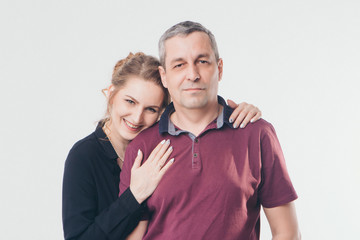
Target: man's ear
(220, 68)
(163, 76)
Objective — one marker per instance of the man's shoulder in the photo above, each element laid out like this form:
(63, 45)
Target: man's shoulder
(259, 126)
(146, 139)
(148, 133)
(255, 131)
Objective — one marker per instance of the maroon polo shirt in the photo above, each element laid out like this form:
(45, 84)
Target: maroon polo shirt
(218, 181)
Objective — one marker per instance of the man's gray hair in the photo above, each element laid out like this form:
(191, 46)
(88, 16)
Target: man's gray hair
(184, 29)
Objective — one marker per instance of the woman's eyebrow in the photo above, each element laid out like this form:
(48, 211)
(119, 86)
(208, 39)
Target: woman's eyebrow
(132, 98)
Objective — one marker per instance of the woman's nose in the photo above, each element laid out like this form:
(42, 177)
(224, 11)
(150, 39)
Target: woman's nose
(138, 116)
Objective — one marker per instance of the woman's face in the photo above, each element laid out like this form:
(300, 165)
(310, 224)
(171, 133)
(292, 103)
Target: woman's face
(135, 107)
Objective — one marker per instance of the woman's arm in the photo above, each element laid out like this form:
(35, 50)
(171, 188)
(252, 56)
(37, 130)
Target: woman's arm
(139, 231)
(81, 217)
(145, 178)
(243, 114)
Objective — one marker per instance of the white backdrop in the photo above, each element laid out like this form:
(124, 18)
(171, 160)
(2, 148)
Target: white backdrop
(298, 61)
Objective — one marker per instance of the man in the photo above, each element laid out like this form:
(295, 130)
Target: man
(221, 176)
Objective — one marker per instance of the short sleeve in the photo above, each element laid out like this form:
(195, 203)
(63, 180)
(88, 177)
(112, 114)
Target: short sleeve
(275, 188)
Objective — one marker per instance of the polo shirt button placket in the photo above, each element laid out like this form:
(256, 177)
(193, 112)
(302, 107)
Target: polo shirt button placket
(196, 156)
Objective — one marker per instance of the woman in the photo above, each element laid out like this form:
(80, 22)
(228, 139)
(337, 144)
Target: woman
(91, 206)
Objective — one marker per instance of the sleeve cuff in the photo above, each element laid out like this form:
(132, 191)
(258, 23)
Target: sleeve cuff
(280, 202)
(130, 200)
(121, 213)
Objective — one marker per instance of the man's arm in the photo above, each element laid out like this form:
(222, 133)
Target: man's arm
(139, 231)
(283, 222)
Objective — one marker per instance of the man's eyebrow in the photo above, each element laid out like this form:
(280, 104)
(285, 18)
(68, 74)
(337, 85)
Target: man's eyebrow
(177, 60)
(203, 55)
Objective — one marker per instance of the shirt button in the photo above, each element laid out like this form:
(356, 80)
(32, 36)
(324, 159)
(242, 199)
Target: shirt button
(196, 140)
(195, 154)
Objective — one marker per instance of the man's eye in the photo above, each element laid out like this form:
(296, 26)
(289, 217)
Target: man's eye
(130, 101)
(178, 65)
(203, 61)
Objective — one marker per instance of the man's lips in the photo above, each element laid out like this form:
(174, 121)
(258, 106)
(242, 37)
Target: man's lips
(193, 89)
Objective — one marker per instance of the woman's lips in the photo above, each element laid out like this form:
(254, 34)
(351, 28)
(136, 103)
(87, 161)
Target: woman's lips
(131, 126)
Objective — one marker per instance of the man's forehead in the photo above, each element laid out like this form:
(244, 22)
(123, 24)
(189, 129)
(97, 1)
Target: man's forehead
(197, 43)
(182, 38)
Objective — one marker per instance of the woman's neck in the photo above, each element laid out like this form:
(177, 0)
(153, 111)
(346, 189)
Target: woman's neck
(117, 141)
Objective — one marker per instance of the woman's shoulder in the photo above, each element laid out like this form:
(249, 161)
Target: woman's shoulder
(79, 165)
(84, 149)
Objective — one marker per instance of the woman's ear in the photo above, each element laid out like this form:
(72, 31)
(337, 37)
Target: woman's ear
(110, 89)
(107, 91)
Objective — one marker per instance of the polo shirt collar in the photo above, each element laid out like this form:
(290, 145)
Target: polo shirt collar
(105, 142)
(166, 126)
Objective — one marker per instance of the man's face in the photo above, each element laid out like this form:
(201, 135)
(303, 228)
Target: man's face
(192, 73)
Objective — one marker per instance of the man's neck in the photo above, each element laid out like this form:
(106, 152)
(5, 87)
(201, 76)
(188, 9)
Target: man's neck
(195, 120)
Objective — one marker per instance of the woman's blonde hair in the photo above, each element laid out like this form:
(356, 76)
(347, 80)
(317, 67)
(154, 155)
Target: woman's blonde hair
(135, 65)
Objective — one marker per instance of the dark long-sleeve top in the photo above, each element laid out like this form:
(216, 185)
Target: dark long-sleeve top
(91, 206)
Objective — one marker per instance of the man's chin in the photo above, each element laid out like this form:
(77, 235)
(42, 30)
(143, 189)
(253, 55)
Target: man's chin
(194, 104)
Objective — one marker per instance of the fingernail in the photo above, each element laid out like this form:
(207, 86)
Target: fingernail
(252, 120)
(163, 141)
(231, 120)
(138, 152)
(242, 125)
(168, 141)
(235, 125)
(172, 160)
(170, 148)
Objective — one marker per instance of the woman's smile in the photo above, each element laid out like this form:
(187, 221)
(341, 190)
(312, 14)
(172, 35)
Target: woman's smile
(132, 127)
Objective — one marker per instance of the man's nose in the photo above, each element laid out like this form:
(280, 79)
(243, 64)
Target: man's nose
(193, 73)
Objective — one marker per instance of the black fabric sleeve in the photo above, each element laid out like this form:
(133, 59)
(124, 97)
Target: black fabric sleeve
(81, 219)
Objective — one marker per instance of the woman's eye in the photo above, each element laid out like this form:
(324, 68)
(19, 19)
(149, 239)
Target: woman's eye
(152, 110)
(130, 101)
